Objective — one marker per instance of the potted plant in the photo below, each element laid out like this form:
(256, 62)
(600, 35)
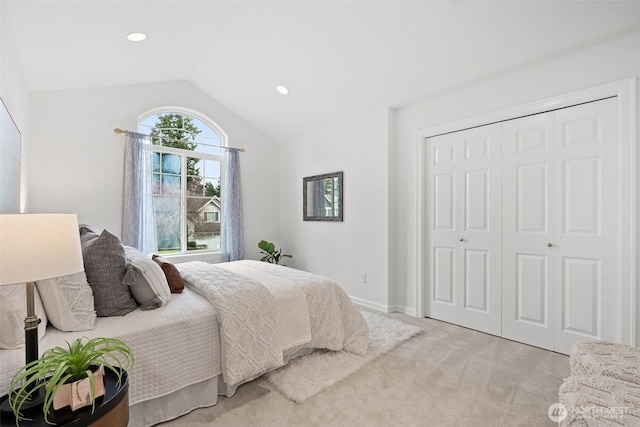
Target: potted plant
(83, 359)
(270, 254)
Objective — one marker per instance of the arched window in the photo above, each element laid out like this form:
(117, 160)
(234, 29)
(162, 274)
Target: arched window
(187, 168)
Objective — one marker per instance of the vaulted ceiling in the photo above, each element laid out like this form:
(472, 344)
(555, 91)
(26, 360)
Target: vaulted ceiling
(338, 58)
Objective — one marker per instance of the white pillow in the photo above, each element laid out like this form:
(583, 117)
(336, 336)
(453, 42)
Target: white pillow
(68, 301)
(146, 280)
(13, 310)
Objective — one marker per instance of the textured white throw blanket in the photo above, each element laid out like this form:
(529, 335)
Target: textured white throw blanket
(247, 314)
(292, 315)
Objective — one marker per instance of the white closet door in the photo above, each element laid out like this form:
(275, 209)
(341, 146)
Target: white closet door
(442, 155)
(528, 227)
(587, 276)
(480, 229)
(561, 282)
(464, 224)
(528, 224)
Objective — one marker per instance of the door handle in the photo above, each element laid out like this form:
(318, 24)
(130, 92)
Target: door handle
(461, 239)
(549, 245)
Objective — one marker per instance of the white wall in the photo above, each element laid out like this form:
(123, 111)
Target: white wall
(76, 160)
(13, 86)
(344, 250)
(568, 71)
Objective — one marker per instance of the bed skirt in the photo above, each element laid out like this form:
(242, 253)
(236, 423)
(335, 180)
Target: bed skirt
(183, 401)
(175, 404)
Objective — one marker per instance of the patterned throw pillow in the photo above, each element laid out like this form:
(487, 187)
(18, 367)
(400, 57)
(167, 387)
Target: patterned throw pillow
(68, 301)
(13, 310)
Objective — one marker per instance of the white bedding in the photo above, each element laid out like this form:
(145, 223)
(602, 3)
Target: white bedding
(292, 313)
(246, 310)
(181, 338)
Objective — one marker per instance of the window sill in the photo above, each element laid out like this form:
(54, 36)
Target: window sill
(210, 257)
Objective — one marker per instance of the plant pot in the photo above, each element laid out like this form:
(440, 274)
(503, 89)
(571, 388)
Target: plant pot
(78, 394)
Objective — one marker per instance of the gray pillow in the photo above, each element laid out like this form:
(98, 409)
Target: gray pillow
(105, 266)
(88, 234)
(146, 280)
(84, 229)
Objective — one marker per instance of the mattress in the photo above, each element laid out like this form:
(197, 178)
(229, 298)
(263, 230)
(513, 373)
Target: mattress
(174, 346)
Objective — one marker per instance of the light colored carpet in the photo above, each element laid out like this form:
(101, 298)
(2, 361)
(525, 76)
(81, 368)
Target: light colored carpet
(306, 376)
(445, 376)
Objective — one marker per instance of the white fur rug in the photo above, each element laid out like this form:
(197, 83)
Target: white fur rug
(308, 375)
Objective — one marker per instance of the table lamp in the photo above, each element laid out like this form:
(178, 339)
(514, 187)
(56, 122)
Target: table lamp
(36, 247)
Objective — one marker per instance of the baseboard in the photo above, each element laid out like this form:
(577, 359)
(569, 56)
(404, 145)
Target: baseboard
(383, 308)
(404, 310)
(370, 304)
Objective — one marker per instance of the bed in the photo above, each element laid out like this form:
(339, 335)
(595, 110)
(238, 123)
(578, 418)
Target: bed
(231, 324)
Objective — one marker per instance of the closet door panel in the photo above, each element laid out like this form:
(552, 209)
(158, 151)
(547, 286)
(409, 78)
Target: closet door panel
(444, 262)
(443, 154)
(531, 191)
(480, 246)
(444, 201)
(581, 205)
(532, 289)
(581, 290)
(527, 262)
(476, 191)
(476, 280)
(585, 248)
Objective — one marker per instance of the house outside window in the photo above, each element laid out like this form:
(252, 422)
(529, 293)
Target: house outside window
(187, 168)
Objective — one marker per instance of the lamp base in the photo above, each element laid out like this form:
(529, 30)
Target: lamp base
(35, 402)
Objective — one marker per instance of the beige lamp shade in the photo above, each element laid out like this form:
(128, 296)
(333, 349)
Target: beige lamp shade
(38, 246)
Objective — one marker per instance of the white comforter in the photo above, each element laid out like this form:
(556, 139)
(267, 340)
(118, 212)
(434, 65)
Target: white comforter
(248, 313)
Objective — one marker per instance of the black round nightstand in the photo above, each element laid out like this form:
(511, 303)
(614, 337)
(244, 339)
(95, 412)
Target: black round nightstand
(112, 409)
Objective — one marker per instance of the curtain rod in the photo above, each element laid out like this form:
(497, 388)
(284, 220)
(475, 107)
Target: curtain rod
(121, 131)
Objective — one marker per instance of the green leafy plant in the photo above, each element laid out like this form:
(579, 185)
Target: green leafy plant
(60, 365)
(270, 254)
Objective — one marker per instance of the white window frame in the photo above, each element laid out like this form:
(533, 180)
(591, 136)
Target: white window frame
(183, 170)
(215, 214)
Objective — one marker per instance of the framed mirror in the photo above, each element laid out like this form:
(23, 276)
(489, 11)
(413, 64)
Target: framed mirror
(322, 197)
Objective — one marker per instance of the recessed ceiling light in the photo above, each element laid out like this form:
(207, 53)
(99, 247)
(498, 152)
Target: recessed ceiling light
(136, 37)
(282, 90)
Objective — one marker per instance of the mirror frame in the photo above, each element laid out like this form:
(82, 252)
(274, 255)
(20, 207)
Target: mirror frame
(305, 180)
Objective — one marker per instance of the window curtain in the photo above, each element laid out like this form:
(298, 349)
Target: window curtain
(138, 222)
(232, 217)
